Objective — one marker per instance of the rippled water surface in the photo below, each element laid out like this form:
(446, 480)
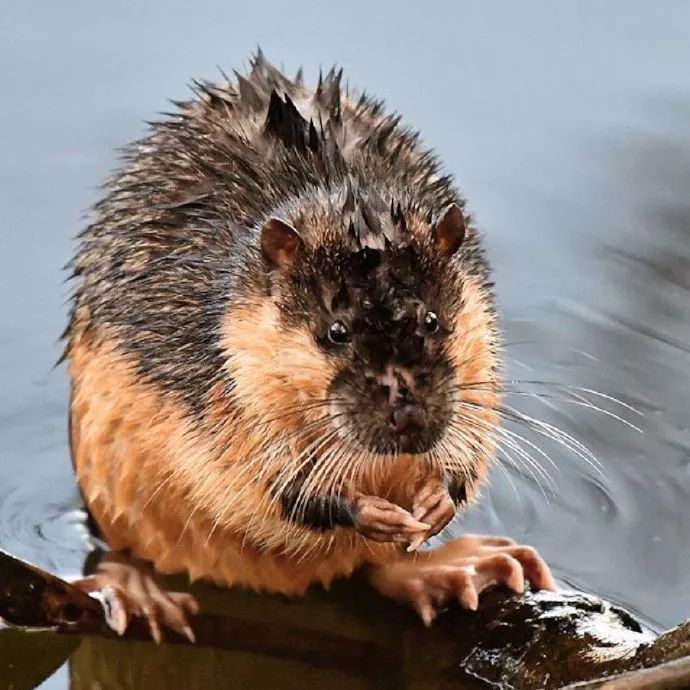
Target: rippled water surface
(568, 125)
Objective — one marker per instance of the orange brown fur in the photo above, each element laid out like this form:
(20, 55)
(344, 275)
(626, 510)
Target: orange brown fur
(182, 497)
(476, 360)
(158, 487)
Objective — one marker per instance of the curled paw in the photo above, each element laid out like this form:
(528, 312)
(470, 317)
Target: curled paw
(130, 589)
(381, 520)
(461, 570)
(432, 505)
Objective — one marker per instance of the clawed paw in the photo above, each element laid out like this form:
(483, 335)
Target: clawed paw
(381, 520)
(432, 505)
(461, 570)
(128, 589)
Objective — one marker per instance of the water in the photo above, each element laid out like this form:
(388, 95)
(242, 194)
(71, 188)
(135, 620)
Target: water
(568, 125)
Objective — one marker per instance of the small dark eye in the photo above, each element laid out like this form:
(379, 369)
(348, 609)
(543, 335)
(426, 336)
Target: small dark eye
(430, 322)
(338, 333)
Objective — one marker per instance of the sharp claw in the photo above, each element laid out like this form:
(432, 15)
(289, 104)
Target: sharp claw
(469, 598)
(518, 586)
(118, 622)
(547, 582)
(116, 612)
(155, 629)
(189, 634)
(417, 526)
(193, 606)
(415, 543)
(516, 582)
(426, 612)
(118, 626)
(418, 512)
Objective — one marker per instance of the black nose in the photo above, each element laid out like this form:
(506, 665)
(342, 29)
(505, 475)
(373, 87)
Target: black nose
(408, 418)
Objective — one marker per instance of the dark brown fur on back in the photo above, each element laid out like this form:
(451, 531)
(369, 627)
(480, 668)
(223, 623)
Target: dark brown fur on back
(169, 236)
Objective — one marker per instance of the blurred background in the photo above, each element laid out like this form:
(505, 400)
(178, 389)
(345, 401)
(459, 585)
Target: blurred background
(568, 127)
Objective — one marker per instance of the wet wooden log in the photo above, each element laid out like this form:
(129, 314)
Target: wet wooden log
(33, 598)
(547, 640)
(669, 676)
(537, 640)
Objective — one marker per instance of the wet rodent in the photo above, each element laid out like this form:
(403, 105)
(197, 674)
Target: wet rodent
(283, 343)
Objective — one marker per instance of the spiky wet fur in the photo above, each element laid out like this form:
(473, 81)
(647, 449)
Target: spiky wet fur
(194, 391)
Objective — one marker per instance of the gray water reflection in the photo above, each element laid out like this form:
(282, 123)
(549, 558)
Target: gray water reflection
(568, 125)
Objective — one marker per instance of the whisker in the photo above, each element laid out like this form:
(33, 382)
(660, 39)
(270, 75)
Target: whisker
(579, 401)
(529, 463)
(502, 384)
(546, 430)
(465, 440)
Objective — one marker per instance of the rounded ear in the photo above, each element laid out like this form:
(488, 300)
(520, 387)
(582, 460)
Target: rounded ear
(449, 229)
(279, 242)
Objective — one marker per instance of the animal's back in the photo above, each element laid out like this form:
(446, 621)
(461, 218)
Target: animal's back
(154, 264)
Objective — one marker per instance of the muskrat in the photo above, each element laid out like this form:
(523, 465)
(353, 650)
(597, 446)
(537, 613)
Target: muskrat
(284, 356)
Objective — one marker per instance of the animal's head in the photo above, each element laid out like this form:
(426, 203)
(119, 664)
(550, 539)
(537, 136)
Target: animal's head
(377, 329)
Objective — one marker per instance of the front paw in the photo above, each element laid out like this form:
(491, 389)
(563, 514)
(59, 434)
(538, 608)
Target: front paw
(381, 520)
(433, 505)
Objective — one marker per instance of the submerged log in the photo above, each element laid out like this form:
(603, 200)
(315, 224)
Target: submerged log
(350, 637)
